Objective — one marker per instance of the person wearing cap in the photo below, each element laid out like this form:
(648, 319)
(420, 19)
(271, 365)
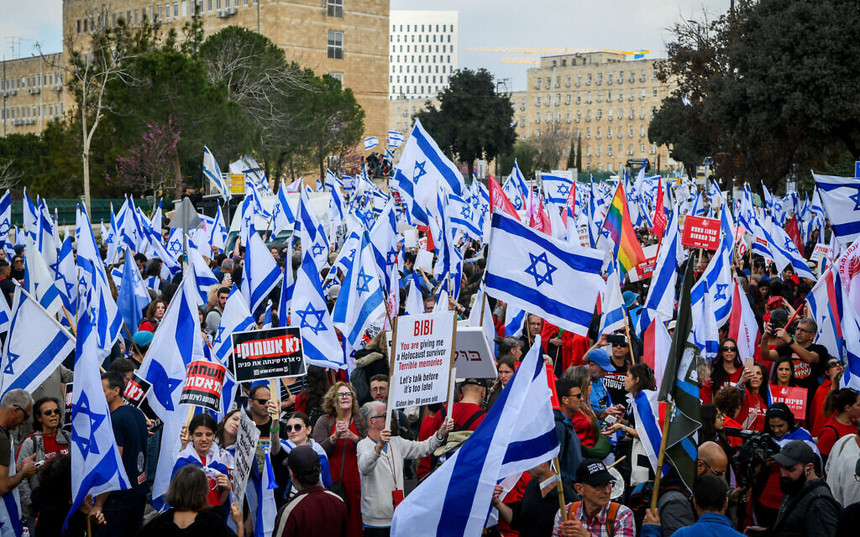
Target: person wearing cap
(595, 514)
(533, 515)
(599, 364)
(380, 464)
(468, 412)
(314, 511)
(808, 507)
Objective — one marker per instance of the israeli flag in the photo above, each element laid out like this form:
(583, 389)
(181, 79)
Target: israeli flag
(361, 302)
(660, 303)
(614, 315)
(645, 411)
(383, 240)
(39, 280)
(370, 142)
(825, 307)
(5, 217)
(235, 318)
(556, 187)
(515, 320)
(67, 278)
(310, 231)
(706, 333)
(261, 272)
(212, 173)
(176, 344)
(203, 275)
(552, 278)
(320, 345)
(517, 434)
(31, 217)
(785, 252)
(282, 215)
(851, 338)
(718, 274)
(111, 239)
(35, 346)
(97, 465)
(133, 296)
(287, 287)
(395, 139)
(218, 231)
(464, 216)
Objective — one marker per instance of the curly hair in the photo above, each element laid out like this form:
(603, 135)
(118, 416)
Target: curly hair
(728, 401)
(329, 400)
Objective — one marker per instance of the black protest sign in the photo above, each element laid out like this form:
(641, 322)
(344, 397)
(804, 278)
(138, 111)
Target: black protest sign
(135, 390)
(203, 383)
(267, 354)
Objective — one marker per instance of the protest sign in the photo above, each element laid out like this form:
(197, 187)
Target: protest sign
(794, 398)
(820, 251)
(423, 349)
(410, 238)
(424, 261)
(474, 358)
(203, 383)
(246, 446)
(136, 390)
(701, 232)
(644, 270)
(267, 354)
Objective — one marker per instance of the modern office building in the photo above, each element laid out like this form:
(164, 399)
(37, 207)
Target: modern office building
(422, 52)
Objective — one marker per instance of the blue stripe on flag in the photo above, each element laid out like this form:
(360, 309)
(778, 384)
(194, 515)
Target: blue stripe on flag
(576, 262)
(531, 448)
(533, 296)
(41, 362)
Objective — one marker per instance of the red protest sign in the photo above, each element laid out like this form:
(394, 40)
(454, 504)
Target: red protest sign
(794, 398)
(135, 390)
(701, 232)
(203, 383)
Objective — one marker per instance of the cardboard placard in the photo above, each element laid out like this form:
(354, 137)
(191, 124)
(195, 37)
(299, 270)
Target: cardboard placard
(474, 357)
(267, 354)
(701, 232)
(819, 252)
(244, 460)
(203, 383)
(136, 390)
(644, 270)
(794, 398)
(410, 238)
(424, 261)
(422, 359)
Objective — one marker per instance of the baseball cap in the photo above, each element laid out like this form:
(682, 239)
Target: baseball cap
(303, 458)
(474, 382)
(671, 325)
(796, 452)
(600, 357)
(593, 472)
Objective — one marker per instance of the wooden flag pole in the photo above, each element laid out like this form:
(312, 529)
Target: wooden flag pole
(71, 324)
(629, 341)
(389, 408)
(559, 487)
(452, 371)
(662, 455)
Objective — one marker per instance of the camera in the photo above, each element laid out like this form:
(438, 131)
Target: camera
(756, 449)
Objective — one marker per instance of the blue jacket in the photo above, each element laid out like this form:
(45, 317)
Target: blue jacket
(570, 453)
(709, 525)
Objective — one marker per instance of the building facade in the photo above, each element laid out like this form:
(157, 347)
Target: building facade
(33, 94)
(603, 97)
(346, 39)
(422, 52)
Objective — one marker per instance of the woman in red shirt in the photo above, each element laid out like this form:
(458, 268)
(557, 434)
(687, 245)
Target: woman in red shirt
(753, 389)
(844, 405)
(832, 373)
(728, 368)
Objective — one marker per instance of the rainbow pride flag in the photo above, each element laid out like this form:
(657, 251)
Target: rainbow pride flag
(628, 251)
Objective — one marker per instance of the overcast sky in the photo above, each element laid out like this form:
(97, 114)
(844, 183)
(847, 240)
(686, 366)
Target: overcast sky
(615, 24)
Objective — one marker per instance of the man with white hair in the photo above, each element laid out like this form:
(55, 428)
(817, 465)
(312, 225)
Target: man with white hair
(15, 409)
(380, 464)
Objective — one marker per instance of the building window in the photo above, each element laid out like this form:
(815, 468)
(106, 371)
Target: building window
(79, 25)
(335, 45)
(334, 8)
(339, 77)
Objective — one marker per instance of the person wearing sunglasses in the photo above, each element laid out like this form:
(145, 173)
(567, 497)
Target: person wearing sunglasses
(47, 442)
(15, 408)
(298, 429)
(728, 369)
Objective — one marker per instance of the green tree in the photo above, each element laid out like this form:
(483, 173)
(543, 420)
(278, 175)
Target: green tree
(579, 152)
(472, 120)
(571, 156)
(681, 128)
(524, 153)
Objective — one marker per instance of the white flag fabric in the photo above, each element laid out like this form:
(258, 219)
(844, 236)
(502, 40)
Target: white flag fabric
(517, 434)
(320, 345)
(614, 315)
(841, 199)
(212, 173)
(743, 327)
(543, 275)
(261, 272)
(39, 280)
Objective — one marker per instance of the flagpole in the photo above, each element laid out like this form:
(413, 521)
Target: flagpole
(388, 405)
(69, 318)
(559, 487)
(661, 456)
(452, 369)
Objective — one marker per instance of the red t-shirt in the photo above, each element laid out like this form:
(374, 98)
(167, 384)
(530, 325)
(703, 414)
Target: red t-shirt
(52, 448)
(429, 426)
(584, 429)
(819, 418)
(461, 412)
(832, 431)
(752, 412)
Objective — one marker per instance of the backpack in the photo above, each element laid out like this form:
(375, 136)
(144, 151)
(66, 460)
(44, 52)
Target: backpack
(610, 515)
(639, 500)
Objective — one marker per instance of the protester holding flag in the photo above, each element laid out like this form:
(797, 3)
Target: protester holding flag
(202, 451)
(298, 428)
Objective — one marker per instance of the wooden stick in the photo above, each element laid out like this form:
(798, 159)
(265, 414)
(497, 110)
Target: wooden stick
(389, 408)
(616, 462)
(629, 341)
(661, 456)
(69, 318)
(127, 331)
(452, 372)
(286, 386)
(275, 395)
(559, 487)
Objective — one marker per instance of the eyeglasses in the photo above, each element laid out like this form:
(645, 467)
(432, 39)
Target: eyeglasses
(620, 345)
(52, 411)
(833, 364)
(799, 329)
(291, 428)
(26, 414)
(577, 395)
(604, 485)
(344, 394)
(261, 401)
(730, 349)
(708, 466)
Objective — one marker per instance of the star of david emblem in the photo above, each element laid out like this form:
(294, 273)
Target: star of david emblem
(518, 203)
(363, 281)
(5, 227)
(68, 286)
(109, 239)
(789, 244)
(219, 336)
(421, 172)
(163, 386)
(315, 315)
(856, 198)
(351, 255)
(390, 258)
(86, 443)
(532, 269)
(563, 189)
(8, 369)
(466, 211)
(721, 291)
(175, 246)
(317, 250)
